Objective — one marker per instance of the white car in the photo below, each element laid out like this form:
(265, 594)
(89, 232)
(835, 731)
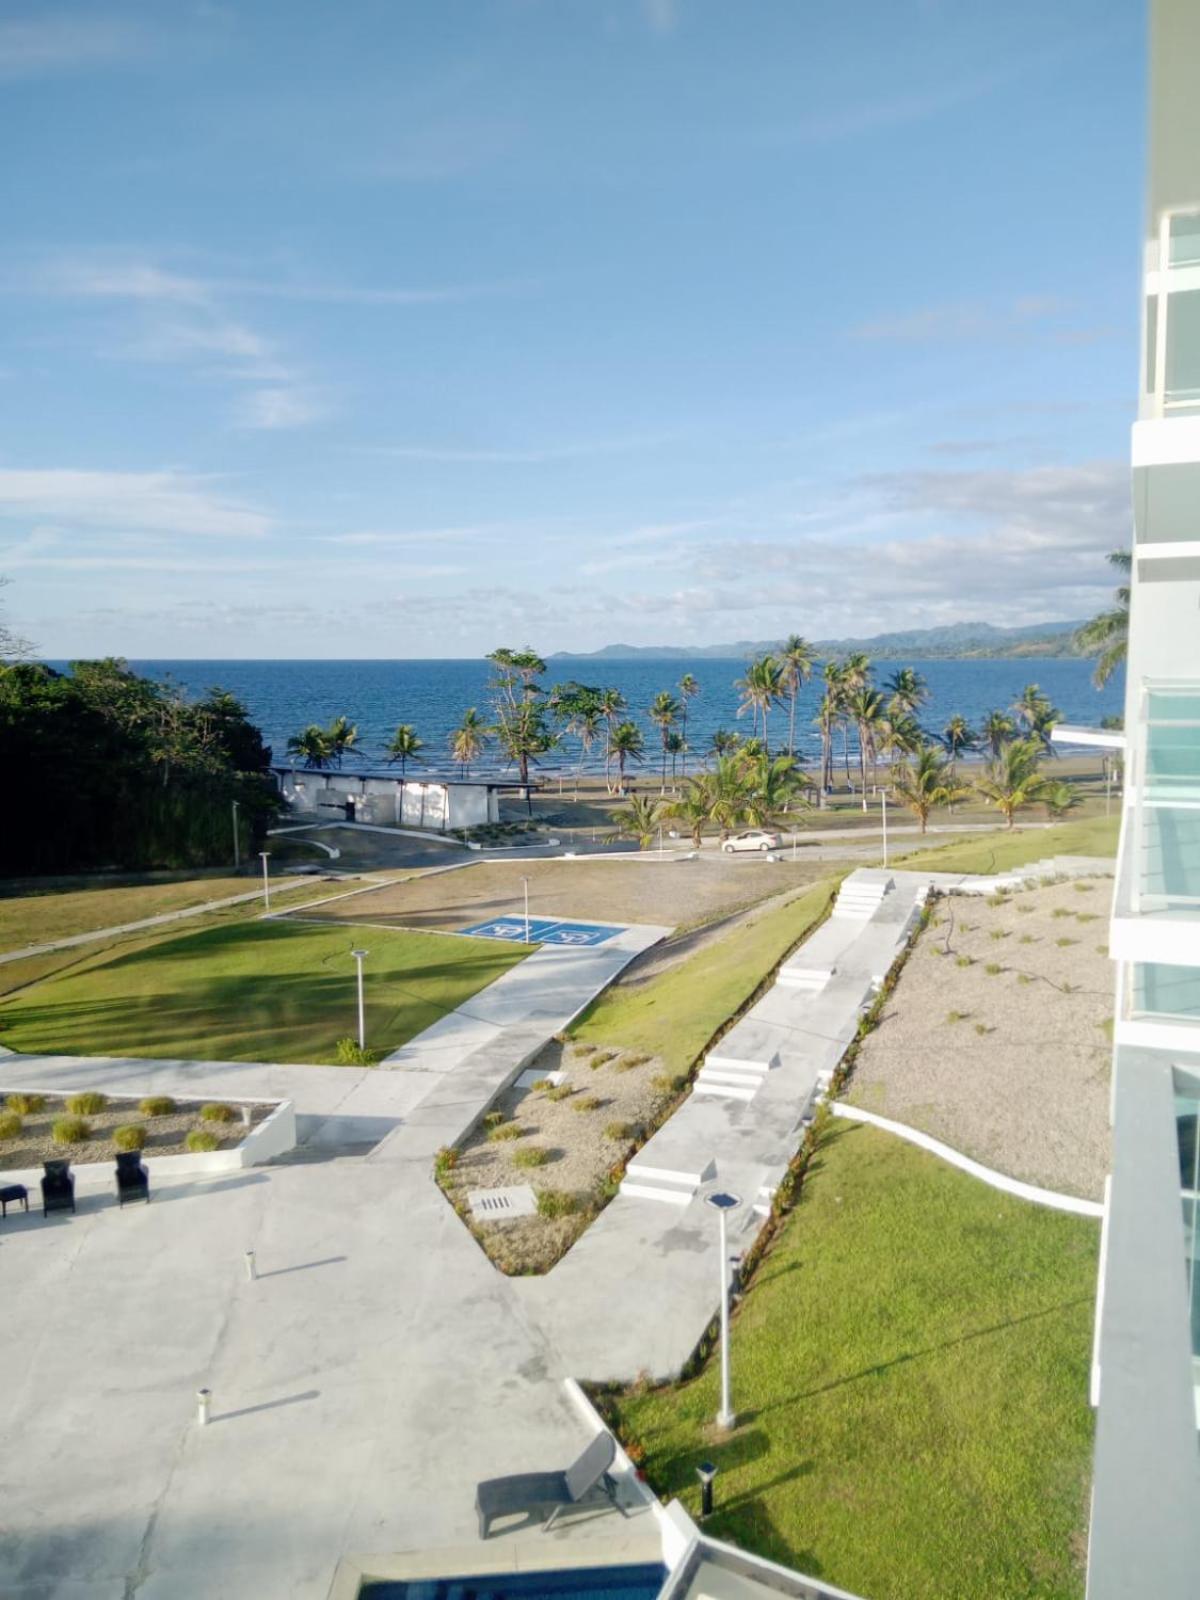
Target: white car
(752, 839)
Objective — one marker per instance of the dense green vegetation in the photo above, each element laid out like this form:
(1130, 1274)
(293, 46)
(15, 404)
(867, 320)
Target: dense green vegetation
(106, 769)
(910, 1373)
(675, 1014)
(252, 991)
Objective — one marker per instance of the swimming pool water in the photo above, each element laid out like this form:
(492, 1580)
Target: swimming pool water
(597, 1583)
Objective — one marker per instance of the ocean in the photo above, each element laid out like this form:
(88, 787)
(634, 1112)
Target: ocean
(284, 696)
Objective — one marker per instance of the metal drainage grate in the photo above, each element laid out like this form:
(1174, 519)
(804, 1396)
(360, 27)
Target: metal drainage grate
(499, 1205)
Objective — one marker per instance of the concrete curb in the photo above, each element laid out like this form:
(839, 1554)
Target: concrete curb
(997, 1180)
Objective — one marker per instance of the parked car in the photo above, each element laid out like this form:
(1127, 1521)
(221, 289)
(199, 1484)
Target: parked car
(751, 839)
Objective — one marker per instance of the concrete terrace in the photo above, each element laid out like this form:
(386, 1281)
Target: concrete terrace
(380, 1365)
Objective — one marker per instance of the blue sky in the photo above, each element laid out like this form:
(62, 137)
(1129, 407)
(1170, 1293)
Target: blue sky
(411, 327)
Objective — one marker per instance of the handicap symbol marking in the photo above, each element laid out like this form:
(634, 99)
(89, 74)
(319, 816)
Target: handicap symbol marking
(543, 930)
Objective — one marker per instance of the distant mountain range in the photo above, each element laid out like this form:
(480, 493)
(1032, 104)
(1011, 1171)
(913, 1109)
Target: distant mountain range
(960, 641)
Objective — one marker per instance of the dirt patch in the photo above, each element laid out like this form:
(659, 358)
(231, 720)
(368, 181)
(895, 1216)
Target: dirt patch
(612, 1099)
(997, 1038)
(678, 893)
(165, 1136)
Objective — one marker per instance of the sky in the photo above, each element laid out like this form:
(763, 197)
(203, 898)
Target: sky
(403, 328)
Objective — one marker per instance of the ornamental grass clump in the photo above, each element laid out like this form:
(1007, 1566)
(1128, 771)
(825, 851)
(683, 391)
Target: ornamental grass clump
(552, 1203)
(618, 1130)
(89, 1104)
(25, 1105)
(504, 1131)
(216, 1111)
(71, 1130)
(201, 1140)
(530, 1156)
(587, 1102)
(10, 1125)
(132, 1137)
(157, 1105)
(349, 1053)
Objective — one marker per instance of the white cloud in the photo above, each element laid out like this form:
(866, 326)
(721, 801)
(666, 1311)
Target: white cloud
(278, 408)
(452, 455)
(160, 502)
(966, 319)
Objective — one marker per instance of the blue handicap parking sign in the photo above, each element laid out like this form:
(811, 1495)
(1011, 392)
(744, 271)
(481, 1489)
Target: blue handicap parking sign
(543, 930)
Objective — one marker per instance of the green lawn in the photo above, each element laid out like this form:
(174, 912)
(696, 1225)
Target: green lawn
(251, 991)
(910, 1367)
(675, 1014)
(997, 852)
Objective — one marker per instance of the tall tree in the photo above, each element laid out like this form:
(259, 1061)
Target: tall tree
(342, 735)
(521, 730)
(1107, 635)
(664, 713)
(997, 730)
(579, 709)
(312, 746)
(796, 661)
(639, 818)
(866, 706)
(829, 711)
(625, 743)
(688, 690)
(467, 741)
(761, 690)
(1035, 713)
(1013, 779)
(612, 704)
(723, 742)
(925, 782)
(405, 746)
(907, 692)
(958, 736)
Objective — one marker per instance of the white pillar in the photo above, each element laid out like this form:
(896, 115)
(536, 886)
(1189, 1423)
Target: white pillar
(725, 1417)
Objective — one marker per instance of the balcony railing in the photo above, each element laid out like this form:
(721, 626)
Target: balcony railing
(1164, 781)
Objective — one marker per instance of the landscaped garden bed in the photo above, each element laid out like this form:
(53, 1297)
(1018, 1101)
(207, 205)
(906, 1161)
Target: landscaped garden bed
(997, 1038)
(905, 1316)
(94, 1127)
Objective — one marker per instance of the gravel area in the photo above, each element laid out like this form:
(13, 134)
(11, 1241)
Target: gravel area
(165, 1135)
(580, 1155)
(997, 1037)
(672, 892)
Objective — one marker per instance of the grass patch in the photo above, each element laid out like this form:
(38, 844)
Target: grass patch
(675, 1015)
(251, 991)
(911, 1370)
(1097, 836)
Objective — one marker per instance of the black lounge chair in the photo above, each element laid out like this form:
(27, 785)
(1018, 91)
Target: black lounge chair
(133, 1181)
(533, 1492)
(58, 1187)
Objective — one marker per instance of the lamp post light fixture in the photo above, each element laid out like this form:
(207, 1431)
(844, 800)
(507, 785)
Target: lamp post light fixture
(237, 853)
(525, 882)
(360, 956)
(266, 856)
(885, 841)
(724, 1203)
(706, 1472)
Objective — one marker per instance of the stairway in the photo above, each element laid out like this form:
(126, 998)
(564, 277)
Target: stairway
(862, 894)
(674, 1186)
(808, 980)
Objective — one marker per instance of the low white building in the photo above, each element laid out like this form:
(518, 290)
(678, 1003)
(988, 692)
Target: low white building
(386, 799)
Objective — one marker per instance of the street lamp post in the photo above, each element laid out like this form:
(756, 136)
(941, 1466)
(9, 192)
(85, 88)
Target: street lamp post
(525, 882)
(266, 856)
(722, 1204)
(237, 854)
(884, 793)
(360, 956)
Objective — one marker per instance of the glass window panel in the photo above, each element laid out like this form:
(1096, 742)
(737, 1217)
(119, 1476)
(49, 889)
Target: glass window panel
(1183, 346)
(1151, 343)
(1184, 243)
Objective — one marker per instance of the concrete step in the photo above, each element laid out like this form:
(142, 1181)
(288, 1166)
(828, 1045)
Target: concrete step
(653, 1191)
(723, 1090)
(811, 980)
(729, 1061)
(740, 1075)
(691, 1176)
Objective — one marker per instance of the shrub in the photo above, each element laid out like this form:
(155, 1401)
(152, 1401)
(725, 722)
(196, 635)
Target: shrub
(71, 1130)
(667, 1082)
(132, 1137)
(562, 1091)
(618, 1130)
(87, 1105)
(1026, 908)
(157, 1105)
(445, 1161)
(1023, 977)
(1102, 950)
(1084, 888)
(1062, 911)
(349, 1053)
(200, 1140)
(1063, 943)
(553, 1203)
(25, 1105)
(504, 1130)
(530, 1156)
(1087, 916)
(981, 1028)
(993, 969)
(997, 899)
(603, 1056)
(1000, 933)
(588, 1102)
(216, 1111)
(637, 1060)
(586, 1049)
(541, 1085)
(493, 1119)
(965, 961)
(1026, 938)
(10, 1125)
(957, 1016)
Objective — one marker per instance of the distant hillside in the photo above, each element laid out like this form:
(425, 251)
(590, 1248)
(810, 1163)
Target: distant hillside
(960, 641)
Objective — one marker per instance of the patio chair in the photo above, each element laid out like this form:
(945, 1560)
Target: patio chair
(534, 1492)
(133, 1181)
(58, 1187)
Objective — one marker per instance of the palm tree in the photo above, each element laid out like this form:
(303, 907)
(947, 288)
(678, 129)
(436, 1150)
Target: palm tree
(467, 740)
(958, 736)
(664, 713)
(688, 690)
(907, 692)
(625, 743)
(1014, 779)
(729, 790)
(1108, 633)
(761, 690)
(724, 742)
(926, 781)
(828, 712)
(342, 735)
(578, 707)
(639, 818)
(693, 807)
(796, 662)
(774, 785)
(312, 746)
(997, 730)
(1036, 714)
(856, 674)
(677, 750)
(610, 703)
(404, 746)
(865, 705)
